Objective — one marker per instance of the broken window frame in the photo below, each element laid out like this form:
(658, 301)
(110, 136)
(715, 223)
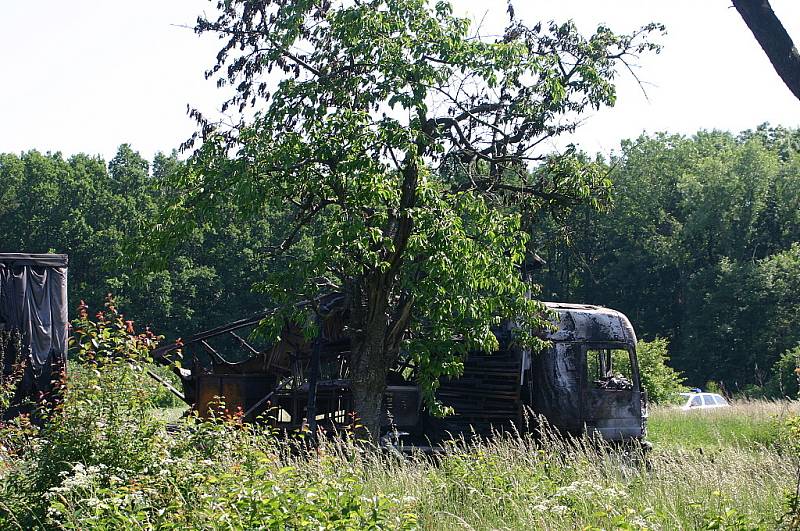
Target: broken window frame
(608, 347)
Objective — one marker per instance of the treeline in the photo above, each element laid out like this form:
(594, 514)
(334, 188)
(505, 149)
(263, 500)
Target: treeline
(103, 216)
(700, 247)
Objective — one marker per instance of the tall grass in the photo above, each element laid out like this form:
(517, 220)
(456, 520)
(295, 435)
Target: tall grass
(748, 423)
(516, 483)
(106, 461)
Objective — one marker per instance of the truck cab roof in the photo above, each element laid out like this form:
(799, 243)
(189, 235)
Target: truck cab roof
(590, 323)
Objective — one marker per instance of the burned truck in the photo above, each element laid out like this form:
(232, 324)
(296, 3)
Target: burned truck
(588, 380)
(585, 381)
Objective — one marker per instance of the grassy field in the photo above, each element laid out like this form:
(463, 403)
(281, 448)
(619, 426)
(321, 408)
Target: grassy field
(748, 424)
(108, 462)
(723, 469)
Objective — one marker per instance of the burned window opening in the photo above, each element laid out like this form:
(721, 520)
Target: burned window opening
(610, 368)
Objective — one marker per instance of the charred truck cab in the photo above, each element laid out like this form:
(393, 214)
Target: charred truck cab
(585, 381)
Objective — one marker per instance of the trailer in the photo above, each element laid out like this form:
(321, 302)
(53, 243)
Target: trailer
(585, 382)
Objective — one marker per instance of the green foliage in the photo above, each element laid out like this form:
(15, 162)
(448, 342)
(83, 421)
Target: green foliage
(255, 494)
(786, 374)
(662, 382)
(110, 338)
(790, 433)
(99, 215)
(103, 422)
(700, 248)
(398, 147)
(103, 460)
(713, 387)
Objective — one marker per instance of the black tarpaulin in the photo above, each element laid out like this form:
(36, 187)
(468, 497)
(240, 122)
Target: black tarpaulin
(33, 300)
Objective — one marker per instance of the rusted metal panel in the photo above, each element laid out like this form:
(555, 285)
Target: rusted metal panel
(240, 392)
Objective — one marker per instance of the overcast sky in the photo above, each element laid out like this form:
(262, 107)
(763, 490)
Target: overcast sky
(88, 75)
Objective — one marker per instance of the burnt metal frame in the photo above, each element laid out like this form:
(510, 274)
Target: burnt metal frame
(288, 390)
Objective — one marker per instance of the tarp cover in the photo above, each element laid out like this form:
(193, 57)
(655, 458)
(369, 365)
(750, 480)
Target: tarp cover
(33, 299)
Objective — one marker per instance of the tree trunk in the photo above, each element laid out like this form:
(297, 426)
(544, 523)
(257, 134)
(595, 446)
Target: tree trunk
(370, 365)
(774, 40)
(378, 319)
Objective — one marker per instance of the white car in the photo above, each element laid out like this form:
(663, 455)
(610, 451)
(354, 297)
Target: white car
(702, 401)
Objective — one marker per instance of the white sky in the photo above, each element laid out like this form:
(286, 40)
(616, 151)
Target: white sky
(88, 75)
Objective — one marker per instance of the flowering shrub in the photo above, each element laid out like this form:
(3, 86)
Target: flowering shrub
(104, 460)
(202, 495)
(110, 337)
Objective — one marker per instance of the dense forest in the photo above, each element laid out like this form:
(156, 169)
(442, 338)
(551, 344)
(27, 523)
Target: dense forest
(102, 216)
(699, 245)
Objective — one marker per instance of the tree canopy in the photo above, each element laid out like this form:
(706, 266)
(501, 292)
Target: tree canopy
(722, 287)
(99, 213)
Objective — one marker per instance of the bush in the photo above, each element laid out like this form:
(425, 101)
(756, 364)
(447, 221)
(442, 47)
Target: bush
(102, 423)
(105, 462)
(662, 382)
(783, 382)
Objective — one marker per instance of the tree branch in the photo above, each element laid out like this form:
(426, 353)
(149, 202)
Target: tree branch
(302, 220)
(774, 40)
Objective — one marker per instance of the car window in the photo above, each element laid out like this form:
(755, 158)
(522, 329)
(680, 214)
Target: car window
(696, 401)
(720, 401)
(709, 400)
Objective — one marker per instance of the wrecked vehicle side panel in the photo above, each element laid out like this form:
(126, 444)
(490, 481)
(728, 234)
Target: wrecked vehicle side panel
(557, 382)
(614, 415)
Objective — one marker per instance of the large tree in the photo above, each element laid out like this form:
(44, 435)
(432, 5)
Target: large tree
(399, 146)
